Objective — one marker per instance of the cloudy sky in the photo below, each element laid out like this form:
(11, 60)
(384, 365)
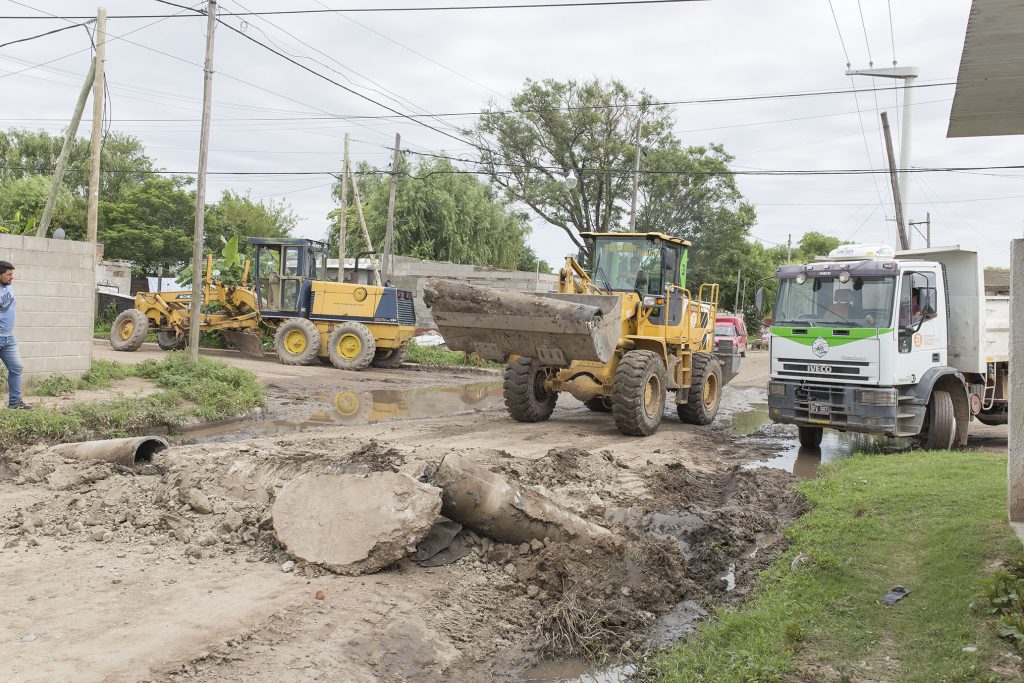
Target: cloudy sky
(270, 115)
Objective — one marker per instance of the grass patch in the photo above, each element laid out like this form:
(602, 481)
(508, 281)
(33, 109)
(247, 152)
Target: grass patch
(932, 522)
(441, 356)
(208, 390)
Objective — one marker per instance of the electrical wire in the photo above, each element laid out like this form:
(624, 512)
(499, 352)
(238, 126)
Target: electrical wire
(43, 35)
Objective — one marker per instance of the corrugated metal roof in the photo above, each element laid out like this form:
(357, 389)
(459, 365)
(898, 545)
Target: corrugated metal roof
(989, 96)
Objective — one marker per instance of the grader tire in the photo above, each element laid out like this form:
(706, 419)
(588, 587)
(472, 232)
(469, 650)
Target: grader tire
(638, 393)
(169, 341)
(129, 330)
(940, 423)
(705, 392)
(351, 346)
(391, 358)
(600, 404)
(297, 342)
(525, 397)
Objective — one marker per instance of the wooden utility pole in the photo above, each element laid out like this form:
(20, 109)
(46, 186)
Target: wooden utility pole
(92, 220)
(343, 224)
(739, 274)
(65, 152)
(204, 150)
(900, 225)
(636, 179)
(362, 224)
(789, 247)
(389, 230)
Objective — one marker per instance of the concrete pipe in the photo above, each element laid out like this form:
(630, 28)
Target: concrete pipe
(491, 505)
(129, 451)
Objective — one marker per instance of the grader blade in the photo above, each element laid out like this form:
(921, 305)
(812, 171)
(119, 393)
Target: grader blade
(556, 329)
(247, 343)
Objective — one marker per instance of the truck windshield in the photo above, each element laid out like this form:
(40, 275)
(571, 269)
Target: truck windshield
(627, 265)
(819, 302)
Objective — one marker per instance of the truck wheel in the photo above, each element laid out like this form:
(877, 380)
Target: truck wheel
(297, 342)
(129, 330)
(810, 437)
(351, 346)
(705, 392)
(601, 404)
(525, 396)
(638, 393)
(168, 340)
(940, 424)
(391, 358)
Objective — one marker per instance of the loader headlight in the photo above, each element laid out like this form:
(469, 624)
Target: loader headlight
(776, 389)
(652, 300)
(875, 397)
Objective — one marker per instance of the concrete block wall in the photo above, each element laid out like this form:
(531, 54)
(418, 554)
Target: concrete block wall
(54, 283)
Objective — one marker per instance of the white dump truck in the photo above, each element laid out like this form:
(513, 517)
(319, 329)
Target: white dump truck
(899, 344)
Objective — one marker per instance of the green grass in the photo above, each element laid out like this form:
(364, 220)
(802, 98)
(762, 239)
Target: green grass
(440, 356)
(207, 390)
(932, 522)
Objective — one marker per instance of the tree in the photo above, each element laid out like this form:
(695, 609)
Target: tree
(22, 201)
(440, 214)
(814, 244)
(151, 225)
(239, 216)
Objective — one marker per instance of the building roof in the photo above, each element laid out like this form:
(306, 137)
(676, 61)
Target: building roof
(997, 281)
(989, 97)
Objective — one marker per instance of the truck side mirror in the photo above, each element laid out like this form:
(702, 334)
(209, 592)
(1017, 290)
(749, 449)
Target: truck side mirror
(759, 300)
(928, 300)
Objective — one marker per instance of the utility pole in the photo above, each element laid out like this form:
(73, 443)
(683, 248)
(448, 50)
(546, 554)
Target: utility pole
(636, 178)
(739, 274)
(897, 201)
(204, 150)
(389, 230)
(927, 222)
(343, 224)
(97, 127)
(789, 247)
(366, 233)
(65, 152)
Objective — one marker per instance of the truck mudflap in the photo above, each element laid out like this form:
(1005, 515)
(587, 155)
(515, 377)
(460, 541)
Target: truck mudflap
(556, 329)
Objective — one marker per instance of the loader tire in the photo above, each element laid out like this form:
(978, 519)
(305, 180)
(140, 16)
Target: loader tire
(297, 342)
(525, 396)
(391, 358)
(601, 404)
(638, 393)
(129, 330)
(705, 392)
(810, 437)
(351, 346)
(940, 423)
(169, 341)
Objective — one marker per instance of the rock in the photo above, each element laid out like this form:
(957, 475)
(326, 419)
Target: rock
(354, 524)
(193, 551)
(183, 535)
(288, 566)
(536, 545)
(524, 549)
(147, 550)
(66, 477)
(510, 569)
(320, 595)
(532, 591)
(12, 542)
(970, 649)
(207, 540)
(198, 501)
(233, 521)
(99, 535)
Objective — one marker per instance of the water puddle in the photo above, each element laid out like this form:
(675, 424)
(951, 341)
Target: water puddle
(352, 407)
(755, 426)
(576, 671)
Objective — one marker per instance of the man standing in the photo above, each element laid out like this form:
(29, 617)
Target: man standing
(9, 353)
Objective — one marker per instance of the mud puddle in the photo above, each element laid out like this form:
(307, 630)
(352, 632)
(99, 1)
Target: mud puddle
(754, 426)
(576, 671)
(354, 407)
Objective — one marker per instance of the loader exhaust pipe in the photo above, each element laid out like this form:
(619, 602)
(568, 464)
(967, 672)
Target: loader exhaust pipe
(134, 450)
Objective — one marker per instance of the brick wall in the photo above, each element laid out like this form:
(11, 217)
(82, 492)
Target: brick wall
(54, 282)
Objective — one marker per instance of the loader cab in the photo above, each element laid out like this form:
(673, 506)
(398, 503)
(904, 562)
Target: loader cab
(285, 270)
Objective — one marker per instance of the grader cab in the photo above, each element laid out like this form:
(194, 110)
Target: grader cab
(622, 331)
(349, 324)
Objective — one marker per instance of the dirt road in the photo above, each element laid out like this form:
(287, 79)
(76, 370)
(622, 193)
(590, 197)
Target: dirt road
(172, 571)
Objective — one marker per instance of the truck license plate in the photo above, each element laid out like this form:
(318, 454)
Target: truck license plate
(821, 409)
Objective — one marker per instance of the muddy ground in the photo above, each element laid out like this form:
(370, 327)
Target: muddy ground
(172, 571)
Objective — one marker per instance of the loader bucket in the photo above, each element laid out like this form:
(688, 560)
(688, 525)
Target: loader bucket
(556, 329)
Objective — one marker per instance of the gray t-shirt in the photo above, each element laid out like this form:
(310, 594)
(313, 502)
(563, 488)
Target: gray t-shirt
(7, 305)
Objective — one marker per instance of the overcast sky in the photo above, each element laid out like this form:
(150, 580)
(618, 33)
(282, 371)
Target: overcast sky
(443, 62)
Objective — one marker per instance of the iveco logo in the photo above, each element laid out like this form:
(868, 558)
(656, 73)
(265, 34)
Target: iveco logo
(821, 369)
(820, 347)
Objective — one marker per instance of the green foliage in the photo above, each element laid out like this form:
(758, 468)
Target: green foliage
(930, 521)
(55, 385)
(151, 225)
(1003, 598)
(441, 356)
(236, 217)
(228, 267)
(22, 201)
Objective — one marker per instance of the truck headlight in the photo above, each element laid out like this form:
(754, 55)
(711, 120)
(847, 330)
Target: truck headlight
(776, 389)
(652, 300)
(875, 397)
(800, 278)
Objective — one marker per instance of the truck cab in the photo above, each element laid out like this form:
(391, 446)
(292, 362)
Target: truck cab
(894, 344)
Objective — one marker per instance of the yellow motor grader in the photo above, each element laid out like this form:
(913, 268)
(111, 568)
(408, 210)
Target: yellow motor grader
(349, 324)
(621, 332)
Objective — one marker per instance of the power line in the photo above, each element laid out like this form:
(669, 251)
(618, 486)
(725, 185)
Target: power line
(840, 33)
(871, 61)
(43, 35)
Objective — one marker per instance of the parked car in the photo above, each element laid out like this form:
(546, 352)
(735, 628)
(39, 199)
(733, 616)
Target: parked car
(730, 330)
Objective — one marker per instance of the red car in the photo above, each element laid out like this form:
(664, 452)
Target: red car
(730, 330)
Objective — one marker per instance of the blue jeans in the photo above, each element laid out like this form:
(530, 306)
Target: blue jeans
(11, 357)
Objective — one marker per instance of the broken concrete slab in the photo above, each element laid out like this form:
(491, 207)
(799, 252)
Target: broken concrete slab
(352, 523)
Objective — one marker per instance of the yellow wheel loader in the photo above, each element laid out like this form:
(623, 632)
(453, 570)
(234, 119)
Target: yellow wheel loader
(621, 332)
(348, 324)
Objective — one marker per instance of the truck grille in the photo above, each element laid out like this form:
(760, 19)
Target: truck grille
(406, 312)
(839, 369)
(833, 396)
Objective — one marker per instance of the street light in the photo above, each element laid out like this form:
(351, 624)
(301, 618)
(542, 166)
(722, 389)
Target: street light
(571, 181)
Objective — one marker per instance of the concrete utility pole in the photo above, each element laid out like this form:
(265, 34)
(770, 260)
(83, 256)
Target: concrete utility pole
(927, 222)
(900, 225)
(204, 150)
(1015, 462)
(907, 74)
(343, 224)
(92, 220)
(362, 224)
(789, 247)
(389, 230)
(65, 152)
(636, 181)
